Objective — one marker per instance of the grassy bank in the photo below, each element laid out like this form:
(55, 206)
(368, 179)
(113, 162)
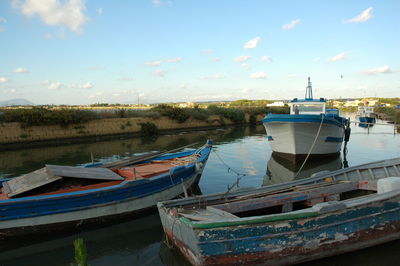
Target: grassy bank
(42, 116)
(389, 113)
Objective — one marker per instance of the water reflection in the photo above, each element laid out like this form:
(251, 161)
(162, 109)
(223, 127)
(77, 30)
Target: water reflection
(133, 242)
(280, 170)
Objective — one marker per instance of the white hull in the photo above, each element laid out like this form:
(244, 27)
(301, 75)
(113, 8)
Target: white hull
(296, 138)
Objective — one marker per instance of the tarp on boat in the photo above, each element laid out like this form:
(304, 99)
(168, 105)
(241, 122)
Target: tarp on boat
(52, 173)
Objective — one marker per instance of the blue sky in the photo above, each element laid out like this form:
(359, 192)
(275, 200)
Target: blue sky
(82, 52)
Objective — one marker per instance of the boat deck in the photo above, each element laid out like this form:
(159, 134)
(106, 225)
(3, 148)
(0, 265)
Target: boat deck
(42, 182)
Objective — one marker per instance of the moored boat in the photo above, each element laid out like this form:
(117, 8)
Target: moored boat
(366, 114)
(310, 129)
(326, 214)
(56, 197)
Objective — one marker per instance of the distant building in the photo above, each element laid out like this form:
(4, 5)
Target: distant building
(276, 104)
(187, 104)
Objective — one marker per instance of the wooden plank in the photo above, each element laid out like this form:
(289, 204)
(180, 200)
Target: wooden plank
(25, 183)
(80, 172)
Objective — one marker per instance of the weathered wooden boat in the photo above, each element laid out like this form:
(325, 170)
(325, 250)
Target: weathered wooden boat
(309, 130)
(56, 197)
(326, 214)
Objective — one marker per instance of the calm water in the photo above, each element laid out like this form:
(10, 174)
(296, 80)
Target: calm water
(140, 241)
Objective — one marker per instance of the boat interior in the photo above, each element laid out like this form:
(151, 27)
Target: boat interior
(277, 202)
(55, 179)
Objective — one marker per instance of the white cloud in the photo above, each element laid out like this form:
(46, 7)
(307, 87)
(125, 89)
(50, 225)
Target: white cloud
(3, 80)
(215, 76)
(316, 59)
(292, 75)
(174, 60)
(160, 73)
(340, 56)
(364, 16)
(21, 70)
(54, 86)
(156, 3)
(55, 12)
(12, 91)
(379, 70)
(184, 86)
(100, 11)
(291, 24)
(215, 59)
(48, 36)
(258, 75)
(242, 58)
(97, 94)
(245, 65)
(87, 85)
(2, 21)
(246, 90)
(153, 63)
(266, 58)
(116, 94)
(207, 51)
(252, 43)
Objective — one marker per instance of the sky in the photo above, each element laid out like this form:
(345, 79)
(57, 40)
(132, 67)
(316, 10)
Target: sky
(152, 51)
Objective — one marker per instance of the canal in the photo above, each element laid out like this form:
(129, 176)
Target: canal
(241, 155)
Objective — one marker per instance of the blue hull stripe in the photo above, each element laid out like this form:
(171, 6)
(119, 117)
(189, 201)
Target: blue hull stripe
(74, 201)
(335, 120)
(333, 139)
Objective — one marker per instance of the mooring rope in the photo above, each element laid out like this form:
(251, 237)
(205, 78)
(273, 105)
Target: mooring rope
(230, 169)
(312, 146)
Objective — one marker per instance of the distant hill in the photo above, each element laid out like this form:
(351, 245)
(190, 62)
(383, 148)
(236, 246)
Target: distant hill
(14, 102)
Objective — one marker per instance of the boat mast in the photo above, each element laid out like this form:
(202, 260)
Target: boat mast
(309, 90)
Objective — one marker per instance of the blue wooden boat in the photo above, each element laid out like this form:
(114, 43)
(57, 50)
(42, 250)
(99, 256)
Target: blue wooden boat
(326, 214)
(56, 197)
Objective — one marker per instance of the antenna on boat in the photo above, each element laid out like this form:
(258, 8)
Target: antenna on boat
(309, 90)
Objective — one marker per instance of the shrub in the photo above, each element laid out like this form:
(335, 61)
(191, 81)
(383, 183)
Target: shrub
(235, 115)
(148, 129)
(175, 113)
(38, 116)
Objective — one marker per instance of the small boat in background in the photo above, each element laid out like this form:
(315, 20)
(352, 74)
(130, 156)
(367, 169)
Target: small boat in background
(55, 196)
(310, 128)
(326, 214)
(366, 114)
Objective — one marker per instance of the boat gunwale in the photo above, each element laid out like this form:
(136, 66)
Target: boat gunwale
(314, 178)
(123, 183)
(299, 214)
(305, 118)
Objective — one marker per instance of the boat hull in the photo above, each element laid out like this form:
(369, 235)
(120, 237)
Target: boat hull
(283, 238)
(295, 240)
(38, 214)
(292, 136)
(366, 119)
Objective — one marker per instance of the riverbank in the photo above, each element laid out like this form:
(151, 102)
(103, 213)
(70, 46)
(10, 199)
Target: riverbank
(15, 136)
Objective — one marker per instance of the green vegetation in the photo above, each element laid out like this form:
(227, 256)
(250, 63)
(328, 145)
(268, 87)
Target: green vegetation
(80, 252)
(249, 103)
(390, 112)
(175, 113)
(234, 114)
(148, 129)
(37, 116)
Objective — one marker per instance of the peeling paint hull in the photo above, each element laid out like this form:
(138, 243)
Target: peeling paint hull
(325, 229)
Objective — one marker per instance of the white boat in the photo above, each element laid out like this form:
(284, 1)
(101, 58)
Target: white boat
(309, 129)
(366, 114)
